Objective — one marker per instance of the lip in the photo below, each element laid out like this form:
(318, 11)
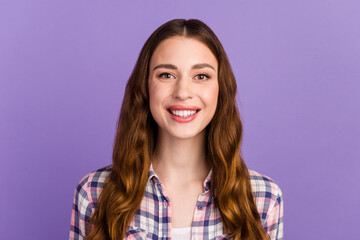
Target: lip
(181, 107)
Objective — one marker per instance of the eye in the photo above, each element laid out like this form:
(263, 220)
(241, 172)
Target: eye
(202, 77)
(166, 75)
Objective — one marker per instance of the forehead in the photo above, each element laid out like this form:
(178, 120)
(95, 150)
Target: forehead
(182, 51)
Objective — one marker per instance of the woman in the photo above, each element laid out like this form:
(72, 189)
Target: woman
(177, 172)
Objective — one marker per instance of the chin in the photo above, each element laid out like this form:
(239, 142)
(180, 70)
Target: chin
(184, 137)
(185, 134)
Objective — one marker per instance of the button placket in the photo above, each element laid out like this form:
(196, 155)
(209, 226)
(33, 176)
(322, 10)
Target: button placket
(200, 206)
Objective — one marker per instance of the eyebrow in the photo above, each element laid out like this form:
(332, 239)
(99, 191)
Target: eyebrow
(203, 65)
(168, 66)
(196, 66)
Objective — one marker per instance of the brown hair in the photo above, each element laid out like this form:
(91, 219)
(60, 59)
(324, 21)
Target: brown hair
(136, 138)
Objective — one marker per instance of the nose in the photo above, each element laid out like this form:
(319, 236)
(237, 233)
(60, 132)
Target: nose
(183, 89)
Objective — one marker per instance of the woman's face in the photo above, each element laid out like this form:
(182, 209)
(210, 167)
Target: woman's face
(183, 86)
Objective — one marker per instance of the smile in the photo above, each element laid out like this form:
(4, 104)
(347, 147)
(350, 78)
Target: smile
(183, 113)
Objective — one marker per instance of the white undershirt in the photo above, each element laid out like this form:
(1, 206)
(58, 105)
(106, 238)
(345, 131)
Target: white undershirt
(181, 233)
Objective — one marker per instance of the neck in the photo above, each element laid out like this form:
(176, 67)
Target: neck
(183, 159)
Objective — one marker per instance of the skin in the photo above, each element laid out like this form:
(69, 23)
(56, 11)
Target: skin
(183, 71)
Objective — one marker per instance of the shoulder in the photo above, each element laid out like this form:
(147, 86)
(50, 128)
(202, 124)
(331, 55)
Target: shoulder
(96, 177)
(268, 197)
(264, 186)
(91, 185)
(86, 197)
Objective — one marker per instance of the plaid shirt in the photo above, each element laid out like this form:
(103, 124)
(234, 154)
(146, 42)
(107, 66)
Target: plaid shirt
(153, 219)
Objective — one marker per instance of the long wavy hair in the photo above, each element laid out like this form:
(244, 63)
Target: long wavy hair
(135, 142)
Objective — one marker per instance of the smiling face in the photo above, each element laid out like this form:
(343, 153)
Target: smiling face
(183, 87)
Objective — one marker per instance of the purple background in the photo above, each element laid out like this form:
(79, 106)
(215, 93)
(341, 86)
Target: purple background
(64, 65)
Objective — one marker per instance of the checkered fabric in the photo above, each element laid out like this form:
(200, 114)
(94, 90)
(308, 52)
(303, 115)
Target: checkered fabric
(153, 219)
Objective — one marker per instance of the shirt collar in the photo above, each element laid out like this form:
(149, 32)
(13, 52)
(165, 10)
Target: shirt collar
(153, 176)
(207, 181)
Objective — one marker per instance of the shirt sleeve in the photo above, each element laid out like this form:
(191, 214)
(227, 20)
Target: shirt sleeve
(81, 211)
(274, 221)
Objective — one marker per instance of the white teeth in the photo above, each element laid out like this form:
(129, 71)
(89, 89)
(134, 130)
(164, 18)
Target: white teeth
(183, 113)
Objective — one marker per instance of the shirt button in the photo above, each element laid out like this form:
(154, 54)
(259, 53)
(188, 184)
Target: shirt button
(200, 207)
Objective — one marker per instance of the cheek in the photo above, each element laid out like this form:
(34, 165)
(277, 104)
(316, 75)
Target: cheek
(153, 92)
(152, 100)
(155, 99)
(211, 96)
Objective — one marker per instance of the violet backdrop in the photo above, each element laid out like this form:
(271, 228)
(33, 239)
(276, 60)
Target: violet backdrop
(64, 65)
